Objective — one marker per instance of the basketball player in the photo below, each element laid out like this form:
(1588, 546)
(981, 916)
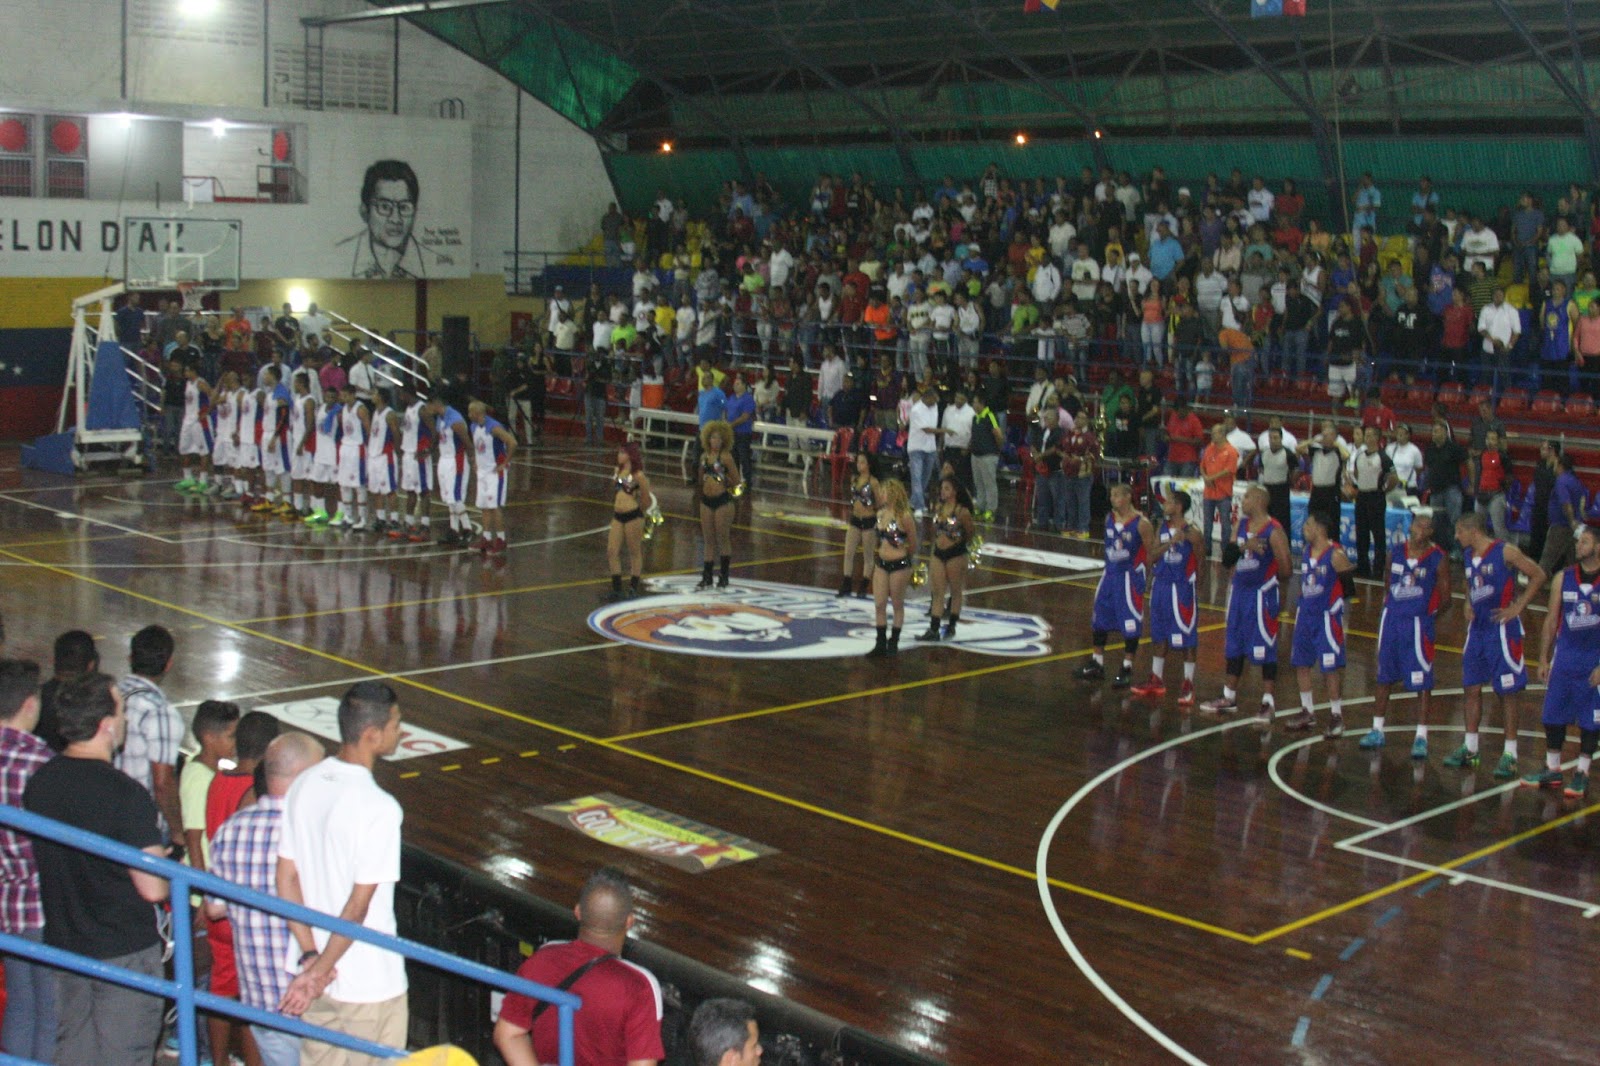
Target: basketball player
(415, 442)
(303, 436)
(1418, 582)
(276, 460)
(325, 461)
(1492, 654)
(1119, 598)
(1173, 607)
(226, 486)
(194, 434)
(1258, 556)
(354, 423)
(1570, 665)
(382, 475)
(1319, 624)
(492, 445)
(247, 447)
(453, 444)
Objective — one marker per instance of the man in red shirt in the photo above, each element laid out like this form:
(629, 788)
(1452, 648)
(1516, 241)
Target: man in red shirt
(620, 1023)
(1377, 414)
(1079, 451)
(1185, 434)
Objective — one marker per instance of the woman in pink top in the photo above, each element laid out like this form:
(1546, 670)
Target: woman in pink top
(1586, 338)
(1153, 327)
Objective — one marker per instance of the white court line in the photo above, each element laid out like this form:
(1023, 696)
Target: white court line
(66, 514)
(241, 696)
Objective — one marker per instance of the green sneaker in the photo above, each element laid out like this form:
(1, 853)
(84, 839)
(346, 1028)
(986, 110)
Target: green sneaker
(1543, 779)
(1461, 757)
(319, 517)
(185, 485)
(1578, 786)
(1506, 768)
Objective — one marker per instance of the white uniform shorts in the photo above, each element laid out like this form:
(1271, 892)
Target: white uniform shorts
(414, 473)
(352, 472)
(453, 480)
(275, 458)
(222, 452)
(324, 473)
(491, 489)
(247, 454)
(194, 438)
(381, 473)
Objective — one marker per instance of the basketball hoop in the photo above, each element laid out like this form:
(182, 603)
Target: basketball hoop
(193, 293)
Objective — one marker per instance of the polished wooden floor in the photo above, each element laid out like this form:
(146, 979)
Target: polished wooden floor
(1213, 894)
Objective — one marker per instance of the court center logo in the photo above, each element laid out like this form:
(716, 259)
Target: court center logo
(766, 620)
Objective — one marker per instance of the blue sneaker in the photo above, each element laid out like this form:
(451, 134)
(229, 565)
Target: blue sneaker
(1506, 768)
(1543, 779)
(1373, 739)
(1461, 758)
(1419, 748)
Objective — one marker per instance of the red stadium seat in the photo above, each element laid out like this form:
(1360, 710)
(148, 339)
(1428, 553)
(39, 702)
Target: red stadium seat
(839, 455)
(1480, 394)
(1547, 402)
(869, 439)
(1419, 395)
(1451, 395)
(1513, 404)
(1579, 408)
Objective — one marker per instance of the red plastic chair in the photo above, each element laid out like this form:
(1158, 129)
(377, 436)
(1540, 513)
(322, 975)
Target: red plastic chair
(869, 439)
(1451, 395)
(839, 455)
(1480, 394)
(1025, 486)
(1547, 402)
(1580, 408)
(1513, 404)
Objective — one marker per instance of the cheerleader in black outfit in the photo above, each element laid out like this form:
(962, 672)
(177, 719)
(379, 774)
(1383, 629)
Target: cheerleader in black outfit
(719, 479)
(897, 550)
(628, 519)
(952, 532)
(862, 532)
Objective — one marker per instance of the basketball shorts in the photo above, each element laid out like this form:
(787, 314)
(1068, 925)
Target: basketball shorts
(1172, 617)
(1119, 603)
(491, 490)
(1570, 699)
(300, 465)
(1405, 652)
(380, 473)
(414, 473)
(275, 458)
(194, 438)
(1492, 655)
(352, 470)
(247, 454)
(1253, 624)
(1318, 640)
(452, 481)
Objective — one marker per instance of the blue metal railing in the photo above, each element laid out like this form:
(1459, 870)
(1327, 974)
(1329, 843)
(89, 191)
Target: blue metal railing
(185, 879)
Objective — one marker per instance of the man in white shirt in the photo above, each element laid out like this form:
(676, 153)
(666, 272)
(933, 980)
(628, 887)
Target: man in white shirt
(1062, 233)
(969, 330)
(1138, 273)
(1480, 245)
(558, 303)
(362, 377)
(1210, 287)
(830, 377)
(1242, 442)
(779, 267)
(957, 425)
(644, 280)
(684, 329)
(899, 280)
(1085, 275)
(1046, 283)
(1235, 309)
(942, 317)
(919, 323)
(922, 448)
(339, 852)
(314, 321)
(1260, 200)
(1499, 325)
(1276, 423)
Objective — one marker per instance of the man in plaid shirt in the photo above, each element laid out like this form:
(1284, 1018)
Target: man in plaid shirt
(29, 1029)
(245, 851)
(155, 728)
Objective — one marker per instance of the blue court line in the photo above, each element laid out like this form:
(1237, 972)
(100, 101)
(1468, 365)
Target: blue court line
(1300, 1029)
(1322, 986)
(1355, 946)
(1386, 917)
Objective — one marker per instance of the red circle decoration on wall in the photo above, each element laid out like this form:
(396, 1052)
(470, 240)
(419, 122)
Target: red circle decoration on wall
(66, 136)
(13, 135)
(280, 146)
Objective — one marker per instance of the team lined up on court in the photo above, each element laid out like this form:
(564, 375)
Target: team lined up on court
(1501, 582)
(346, 458)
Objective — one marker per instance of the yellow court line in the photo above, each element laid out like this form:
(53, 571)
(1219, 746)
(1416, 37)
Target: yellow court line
(461, 597)
(1418, 878)
(932, 845)
(844, 697)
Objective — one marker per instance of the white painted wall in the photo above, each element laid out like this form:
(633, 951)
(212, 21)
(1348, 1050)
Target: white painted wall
(242, 65)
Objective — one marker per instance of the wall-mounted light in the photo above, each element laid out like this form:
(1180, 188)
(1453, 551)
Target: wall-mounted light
(219, 128)
(1022, 139)
(299, 300)
(666, 147)
(197, 9)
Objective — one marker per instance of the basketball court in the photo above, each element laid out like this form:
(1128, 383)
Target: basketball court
(961, 849)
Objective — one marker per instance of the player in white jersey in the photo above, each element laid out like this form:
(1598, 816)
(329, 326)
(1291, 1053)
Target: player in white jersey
(222, 435)
(382, 473)
(415, 473)
(302, 441)
(194, 436)
(454, 446)
(354, 423)
(492, 445)
(247, 447)
(275, 447)
(325, 463)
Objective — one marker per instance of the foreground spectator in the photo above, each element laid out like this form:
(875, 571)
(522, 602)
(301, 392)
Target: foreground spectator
(154, 727)
(620, 1023)
(29, 1029)
(75, 655)
(723, 1032)
(340, 853)
(92, 907)
(245, 851)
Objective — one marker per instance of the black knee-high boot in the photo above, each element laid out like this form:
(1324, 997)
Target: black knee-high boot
(616, 587)
(705, 574)
(882, 646)
(894, 640)
(950, 620)
(933, 629)
(844, 586)
(722, 581)
(633, 586)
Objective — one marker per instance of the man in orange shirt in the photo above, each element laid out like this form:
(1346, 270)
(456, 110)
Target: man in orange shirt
(876, 316)
(1241, 367)
(1218, 465)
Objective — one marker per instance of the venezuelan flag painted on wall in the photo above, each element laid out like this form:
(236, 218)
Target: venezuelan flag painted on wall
(1030, 6)
(1271, 9)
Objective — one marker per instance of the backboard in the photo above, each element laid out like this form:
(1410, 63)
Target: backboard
(160, 252)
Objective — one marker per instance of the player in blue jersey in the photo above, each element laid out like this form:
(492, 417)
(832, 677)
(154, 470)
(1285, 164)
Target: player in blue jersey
(1417, 583)
(1319, 623)
(1569, 662)
(1119, 598)
(1173, 605)
(1492, 654)
(1259, 556)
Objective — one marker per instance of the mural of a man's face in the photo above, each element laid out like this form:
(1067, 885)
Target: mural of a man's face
(390, 213)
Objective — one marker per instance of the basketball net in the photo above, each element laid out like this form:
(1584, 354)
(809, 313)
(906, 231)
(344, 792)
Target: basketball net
(193, 293)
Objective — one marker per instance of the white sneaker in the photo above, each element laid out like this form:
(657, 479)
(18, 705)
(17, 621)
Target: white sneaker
(356, 527)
